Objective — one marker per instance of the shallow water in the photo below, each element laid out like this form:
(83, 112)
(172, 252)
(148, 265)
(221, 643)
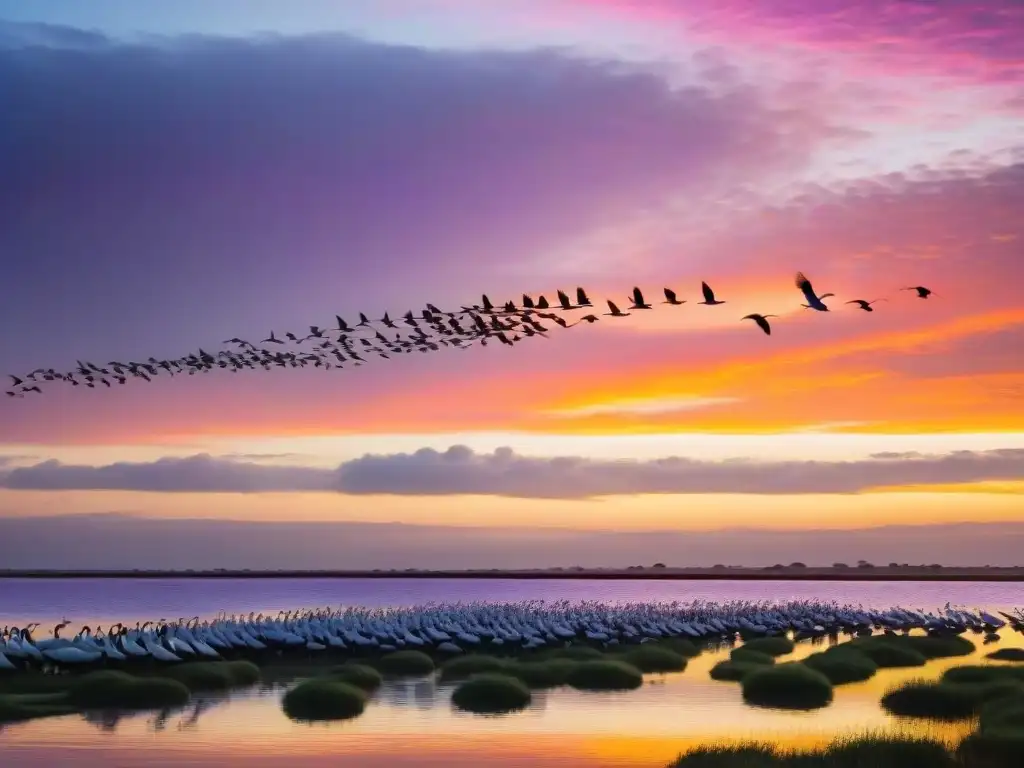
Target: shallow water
(411, 722)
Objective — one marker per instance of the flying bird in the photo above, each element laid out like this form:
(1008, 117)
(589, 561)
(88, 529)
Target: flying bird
(638, 300)
(670, 298)
(582, 299)
(761, 321)
(922, 292)
(813, 300)
(709, 295)
(614, 311)
(865, 305)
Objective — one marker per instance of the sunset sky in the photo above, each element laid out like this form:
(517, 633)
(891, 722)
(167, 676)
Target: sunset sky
(173, 174)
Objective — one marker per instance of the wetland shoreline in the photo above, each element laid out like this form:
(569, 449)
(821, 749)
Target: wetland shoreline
(906, 574)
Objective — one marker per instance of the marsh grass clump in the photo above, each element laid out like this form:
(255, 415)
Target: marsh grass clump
(575, 653)
(17, 707)
(405, 664)
(842, 665)
(733, 671)
(462, 667)
(360, 675)
(860, 752)
(1006, 654)
(323, 699)
(653, 658)
(888, 652)
(1003, 714)
(773, 646)
(113, 689)
(744, 655)
(993, 748)
(542, 674)
(942, 647)
(213, 675)
(681, 645)
(491, 693)
(885, 751)
(754, 755)
(943, 700)
(787, 686)
(604, 675)
(983, 673)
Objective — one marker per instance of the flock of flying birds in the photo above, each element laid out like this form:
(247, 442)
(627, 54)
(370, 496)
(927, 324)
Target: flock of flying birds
(429, 331)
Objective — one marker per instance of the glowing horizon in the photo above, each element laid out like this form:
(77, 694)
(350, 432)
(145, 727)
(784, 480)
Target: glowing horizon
(256, 181)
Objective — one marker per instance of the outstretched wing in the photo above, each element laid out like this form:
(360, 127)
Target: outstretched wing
(805, 285)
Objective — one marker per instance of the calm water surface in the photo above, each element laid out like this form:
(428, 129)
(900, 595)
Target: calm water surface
(412, 722)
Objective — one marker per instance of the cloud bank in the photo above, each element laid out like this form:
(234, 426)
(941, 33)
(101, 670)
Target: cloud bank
(461, 471)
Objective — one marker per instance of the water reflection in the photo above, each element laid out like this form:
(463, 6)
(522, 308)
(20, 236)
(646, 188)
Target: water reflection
(411, 722)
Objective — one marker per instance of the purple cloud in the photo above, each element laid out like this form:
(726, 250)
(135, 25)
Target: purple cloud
(460, 471)
(207, 187)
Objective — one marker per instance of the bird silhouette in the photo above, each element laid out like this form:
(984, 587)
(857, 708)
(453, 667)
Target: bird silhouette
(922, 292)
(813, 300)
(638, 300)
(614, 311)
(670, 298)
(761, 321)
(865, 305)
(709, 295)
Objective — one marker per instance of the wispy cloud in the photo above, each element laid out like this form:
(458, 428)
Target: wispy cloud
(644, 407)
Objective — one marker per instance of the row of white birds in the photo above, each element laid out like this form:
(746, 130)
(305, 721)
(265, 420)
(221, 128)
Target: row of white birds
(456, 628)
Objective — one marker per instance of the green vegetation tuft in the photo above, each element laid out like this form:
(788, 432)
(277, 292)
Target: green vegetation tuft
(604, 675)
(360, 675)
(861, 752)
(462, 667)
(744, 655)
(944, 700)
(842, 665)
(405, 664)
(542, 674)
(1006, 654)
(888, 652)
(109, 689)
(733, 671)
(213, 675)
(491, 693)
(773, 646)
(654, 658)
(787, 686)
(323, 699)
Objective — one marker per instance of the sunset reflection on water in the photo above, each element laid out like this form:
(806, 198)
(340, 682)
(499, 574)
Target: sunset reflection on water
(411, 722)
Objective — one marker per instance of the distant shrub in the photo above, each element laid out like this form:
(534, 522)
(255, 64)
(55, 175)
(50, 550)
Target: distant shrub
(842, 666)
(774, 646)
(604, 675)
(491, 693)
(405, 664)
(323, 699)
(787, 686)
